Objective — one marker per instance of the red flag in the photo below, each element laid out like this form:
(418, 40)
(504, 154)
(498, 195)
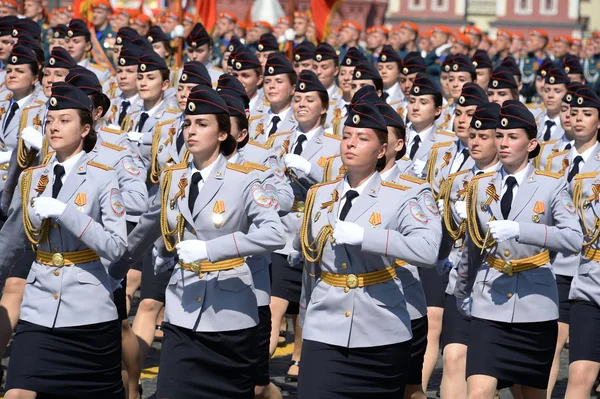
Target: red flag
(322, 11)
(207, 11)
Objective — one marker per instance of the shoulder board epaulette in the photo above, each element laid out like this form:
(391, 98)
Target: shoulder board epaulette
(40, 102)
(586, 175)
(394, 185)
(216, 68)
(546, 173)
(548, 142)
(111, 130)
(405, 158)
(256, 166)
(47, 158)
(173, 110)
(238, 168)
(42, 165)
(557, 153)
(442, 144)
(266, 102)
(112, 146)
(412, 179)
(255, 117)
(445, 133)
(266, 146)
(177, 166)
(532, 105)
(460, 172)
(332, 136)
(99, 165)
(273, 136)
(98, 66)
(488, 174)
(316, 186)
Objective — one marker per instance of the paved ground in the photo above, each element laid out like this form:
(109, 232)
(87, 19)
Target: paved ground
(280, 364)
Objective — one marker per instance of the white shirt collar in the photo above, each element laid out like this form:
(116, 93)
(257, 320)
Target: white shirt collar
(358, 189)
(492, 168)
(152, 111)
(333, 89)
(385, 175)
(283, 115)
(394, 90)
(235, 159)
(556, 121)
(519, 176)
(425, 134)
(461, 147)
(585, 155)
(84, 63)
(69, 164)
(253, 101)
(133, 99)
(205, 173)
(25, 100)
(309, 135)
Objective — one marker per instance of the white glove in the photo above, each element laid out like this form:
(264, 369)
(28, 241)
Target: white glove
(161, 264)
(461, 209)
(135, 137)
(5, 156)
(46, 207)
(289, 34)
(177, 32)
(294, 161)
(281, 39)
(504, 230)
(295, 258)
(440, 205)
(114, 127)
(32, 138)
(418, 167)
(192, 251)
(443, 266)
(348, 233)
(464, 306)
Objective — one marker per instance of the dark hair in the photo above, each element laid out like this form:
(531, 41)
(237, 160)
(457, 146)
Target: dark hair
(97, 101)
(532, 134)
(378, 85)
(258, 70)
(293, 77)
(324, 97)
(165, 74)
(400, 133)
(224, 124)
(89, 141)
(438, 100)
(242, 123)
(383, 139)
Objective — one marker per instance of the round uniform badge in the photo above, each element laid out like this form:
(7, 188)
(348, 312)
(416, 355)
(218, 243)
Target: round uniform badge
(569, 98)
(567, 69)
(405, 70)
(552, 80)
(319, 57)
(15, 32)
(194, 44)
(150, 39)
(14, 59)
(260, 196)
(271, 70)
(238, 65)
(357, 75)
(192, 107)
(52, 61)
(494, 83)
(416, 89)
(504, 122)
(447, 68)
(53, 101)
(70, 33)
(384, 58)
(143, 67)
(356, 119)
(579, 100)
(478, 124)
(122, 61)
(119, 40)
(474, 64)
(461, 100)
(297, 57)
(348, 61)
(183, 77)
(302, 86)
(567, 202)
(417, 212)
(230, 48)
(116, 202)
(261, 47)
(455, 67)
(56, 34)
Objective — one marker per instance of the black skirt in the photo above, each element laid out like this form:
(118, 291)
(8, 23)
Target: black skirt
(286, 281)
(154, 286)
(434, 286)
(138, 265)
(563, 283)
(330, 371)
(418, 345)
(455, 325)
(207, 364)
(584, 336)
(513, 353)
(74, 362)
(264, 341)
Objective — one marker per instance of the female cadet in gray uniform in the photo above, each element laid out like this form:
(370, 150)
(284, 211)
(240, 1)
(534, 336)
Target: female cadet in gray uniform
(204, 211)
(513, 289)
(71, 211)
(584, 349)
(357, 327)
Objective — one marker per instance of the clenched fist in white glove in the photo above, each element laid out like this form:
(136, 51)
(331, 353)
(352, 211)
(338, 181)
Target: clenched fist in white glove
(504, 230)
(289, 34)
(294, 161)
(32, 138)
(440, 205)
(461, 209)
(161, 264)
(418, 167)
(348, 233)
(46, 207)
(5, 156)
(135, 137)
(192, 251)
(177, 31)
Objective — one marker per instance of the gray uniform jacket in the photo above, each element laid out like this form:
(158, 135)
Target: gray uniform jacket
(439, 164)
(230, 201)
(553, 156)
(396, 227)
(547, 221)
(259, 128)
(93, 219)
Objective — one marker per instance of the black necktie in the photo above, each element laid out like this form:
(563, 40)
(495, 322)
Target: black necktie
(479, 173)
(301, 139)
(507, 198)
(567, 147)
(59, 172)
(13, 109)
(347, 108)
(465, 153)
(124, 107)
(180, 141)
(194, 190)
(350, 195)
(575, 168)
(143, 119)
(547, 134)
(415, 147)
(274, 122)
